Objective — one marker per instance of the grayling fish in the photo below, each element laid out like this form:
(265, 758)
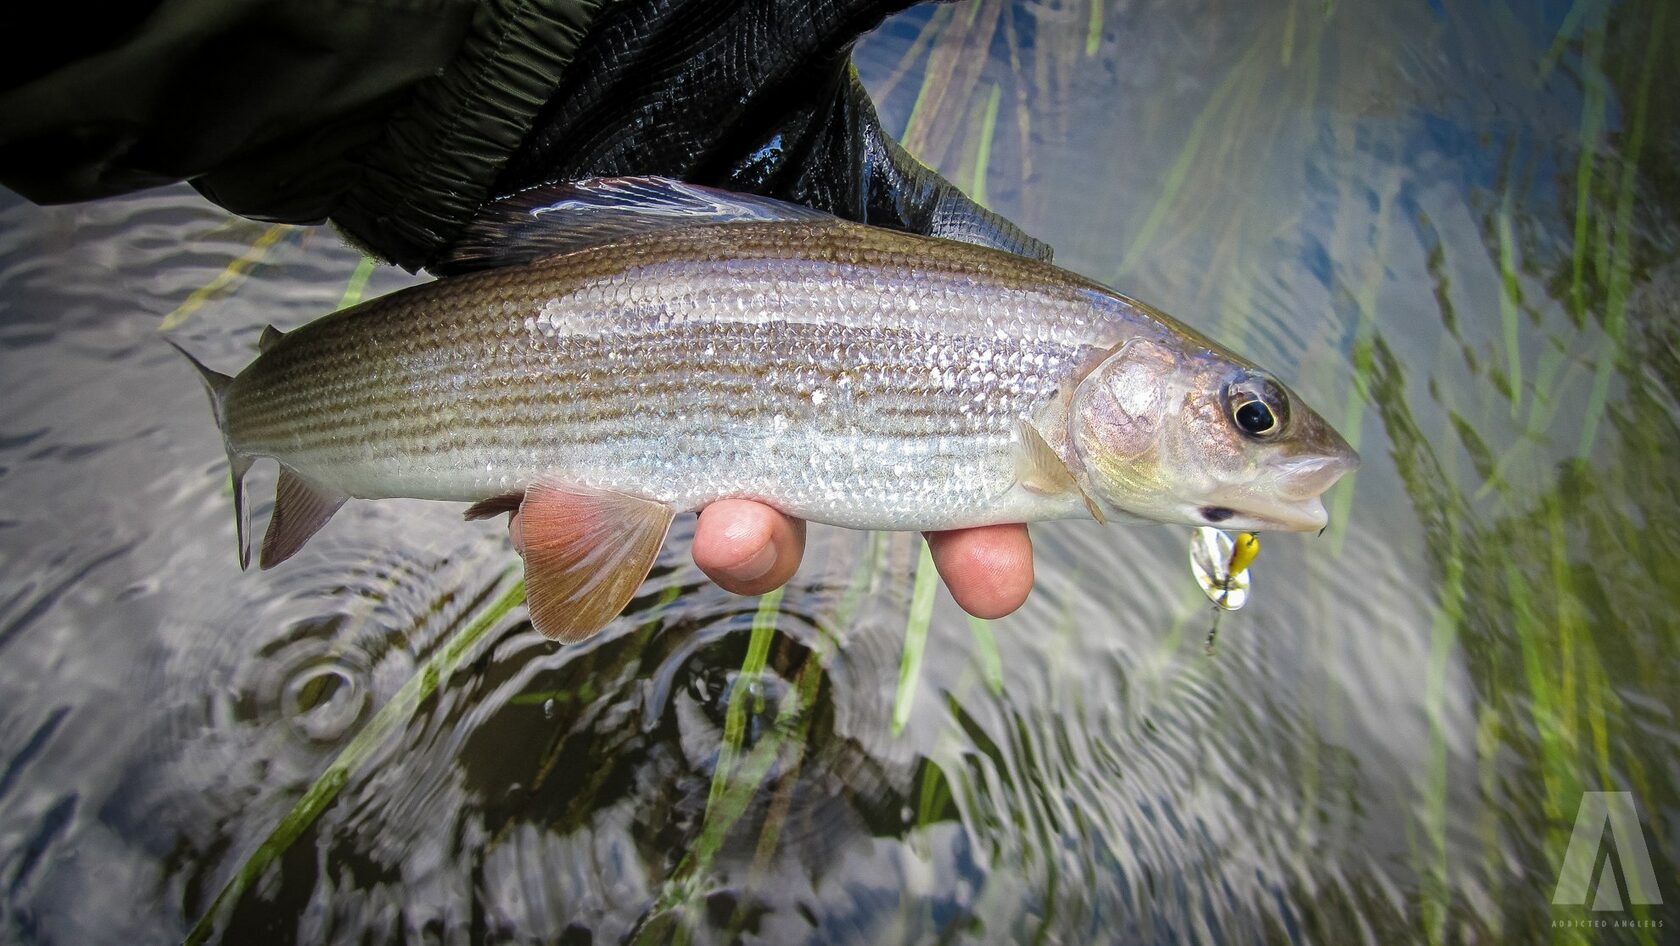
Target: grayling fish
(612, 353)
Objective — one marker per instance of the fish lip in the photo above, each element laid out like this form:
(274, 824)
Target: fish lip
(1304, 516)
(1293, 503)
(1312, 477)
(1346, 460)
(1299, 503)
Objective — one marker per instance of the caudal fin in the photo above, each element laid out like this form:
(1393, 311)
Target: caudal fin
(216, 384)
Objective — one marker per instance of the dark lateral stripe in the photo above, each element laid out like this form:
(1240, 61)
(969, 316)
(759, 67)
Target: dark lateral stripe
(507, 396)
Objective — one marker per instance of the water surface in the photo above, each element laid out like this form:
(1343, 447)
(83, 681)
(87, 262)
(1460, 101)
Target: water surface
(1451, 225)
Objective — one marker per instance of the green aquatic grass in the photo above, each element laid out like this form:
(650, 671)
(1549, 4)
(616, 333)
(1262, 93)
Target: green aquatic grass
(806, 685)
(1620, 268)
(230, 277)
(358, 283)
(949, 78)
(915, 638)
(916, 54)
(983, 150)
(986, 654)
(1489, 744)
(1286, 53)
(1590, 137)
(1574, 24)
(1556, 604)
(1551, 708)
(1510, 304)
(390, 718)
(862, 577)
(1448, 620)
(744, 697)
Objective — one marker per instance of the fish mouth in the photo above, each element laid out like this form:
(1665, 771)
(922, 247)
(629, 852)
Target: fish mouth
(1251, 514)
(1310, 478)
(1290, 501)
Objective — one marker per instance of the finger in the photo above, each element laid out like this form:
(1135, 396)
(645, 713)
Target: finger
(747, 547)
(989, 569)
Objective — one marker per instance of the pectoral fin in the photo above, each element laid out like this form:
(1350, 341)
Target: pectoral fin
(586, 552)
(1041, 470)
(301, 508)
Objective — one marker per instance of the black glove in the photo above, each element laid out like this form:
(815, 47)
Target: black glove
(394, 121)
(749, 95)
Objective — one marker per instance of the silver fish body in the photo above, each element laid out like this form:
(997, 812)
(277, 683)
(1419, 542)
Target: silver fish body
(840, 373)
(621, 350)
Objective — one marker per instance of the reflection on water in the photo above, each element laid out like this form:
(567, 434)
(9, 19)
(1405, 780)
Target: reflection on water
(1455, 221)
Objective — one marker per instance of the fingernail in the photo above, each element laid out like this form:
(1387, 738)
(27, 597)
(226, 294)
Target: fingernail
(756, 565)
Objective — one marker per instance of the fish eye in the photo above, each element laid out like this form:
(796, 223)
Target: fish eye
(1257, 406)
(1255, 417)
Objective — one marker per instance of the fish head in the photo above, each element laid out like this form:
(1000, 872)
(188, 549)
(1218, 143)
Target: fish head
(1177, 431)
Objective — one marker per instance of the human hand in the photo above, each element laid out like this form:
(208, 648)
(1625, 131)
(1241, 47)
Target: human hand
(749, 548)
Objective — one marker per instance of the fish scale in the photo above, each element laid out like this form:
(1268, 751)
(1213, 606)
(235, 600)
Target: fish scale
(827, 367)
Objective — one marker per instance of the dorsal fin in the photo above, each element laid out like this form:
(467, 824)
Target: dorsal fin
(269, 338)
(559, 218)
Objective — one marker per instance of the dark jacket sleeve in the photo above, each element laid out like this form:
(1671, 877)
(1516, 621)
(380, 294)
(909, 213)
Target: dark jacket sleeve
(398, 119)
(390, 118)
(260, 102)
